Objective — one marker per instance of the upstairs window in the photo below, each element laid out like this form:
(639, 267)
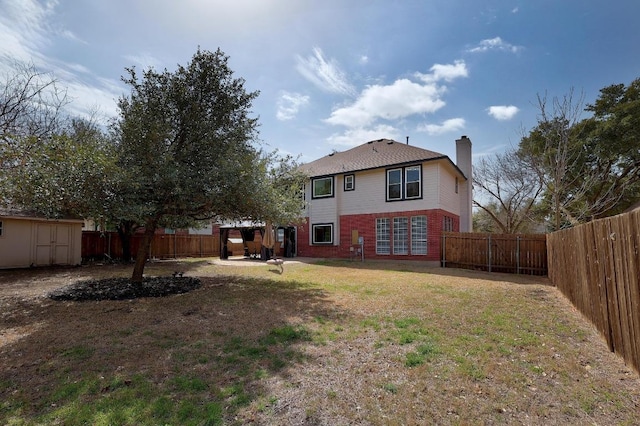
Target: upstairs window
(322, 187)
(349, 182)
(394, 184)
(413, 182)
(404, 183)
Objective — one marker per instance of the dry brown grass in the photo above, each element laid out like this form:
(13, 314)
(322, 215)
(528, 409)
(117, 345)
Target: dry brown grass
(327, 343)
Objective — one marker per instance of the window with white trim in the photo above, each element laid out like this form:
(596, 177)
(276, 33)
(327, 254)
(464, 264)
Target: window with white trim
(418, 235)
(394, 184)
(400, 235)
(383, 236)
(349, 182)
(404, 183)
(322, 187)
(322, 233)
(413, 182)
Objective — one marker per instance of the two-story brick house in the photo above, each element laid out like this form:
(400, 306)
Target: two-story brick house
(386, 199)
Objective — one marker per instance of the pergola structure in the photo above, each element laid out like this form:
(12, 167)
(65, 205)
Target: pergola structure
(247, 230)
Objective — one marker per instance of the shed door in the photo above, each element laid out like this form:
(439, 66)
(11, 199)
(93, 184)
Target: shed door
(61, 244)
(53, 243)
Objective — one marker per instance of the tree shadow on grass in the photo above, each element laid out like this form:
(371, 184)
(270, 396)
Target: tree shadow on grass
(197, 357)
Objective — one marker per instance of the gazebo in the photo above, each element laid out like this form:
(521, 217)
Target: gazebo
(262, 245)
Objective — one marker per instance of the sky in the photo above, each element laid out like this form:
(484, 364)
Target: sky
(334, 74)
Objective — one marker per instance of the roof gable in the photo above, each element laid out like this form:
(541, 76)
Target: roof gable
(371, 155)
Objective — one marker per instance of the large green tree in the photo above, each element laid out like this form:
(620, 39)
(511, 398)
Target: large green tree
(187, 147)
(612, 141)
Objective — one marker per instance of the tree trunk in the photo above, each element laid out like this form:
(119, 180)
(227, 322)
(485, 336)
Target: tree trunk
(143, 251)
(125, 231)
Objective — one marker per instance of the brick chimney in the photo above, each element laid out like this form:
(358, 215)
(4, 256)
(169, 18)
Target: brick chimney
(465, 189)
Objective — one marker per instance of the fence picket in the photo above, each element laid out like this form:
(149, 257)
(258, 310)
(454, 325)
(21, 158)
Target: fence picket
(522, 253)
(597, 267)
(96, 244)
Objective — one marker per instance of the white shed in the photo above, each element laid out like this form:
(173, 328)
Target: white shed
(28, 240)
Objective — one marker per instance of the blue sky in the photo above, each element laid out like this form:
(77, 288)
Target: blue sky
(334, 74)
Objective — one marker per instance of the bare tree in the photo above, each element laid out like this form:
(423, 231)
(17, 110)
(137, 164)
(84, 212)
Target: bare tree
(31, 104)
(507, 189)
(580, 184)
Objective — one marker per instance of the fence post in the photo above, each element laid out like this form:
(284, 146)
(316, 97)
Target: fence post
(518, 254)
(489, 253)
(444, 251)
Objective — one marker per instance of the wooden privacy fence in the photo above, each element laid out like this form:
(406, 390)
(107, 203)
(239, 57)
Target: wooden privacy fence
(98, 244)
(596, 266)
(512, 253)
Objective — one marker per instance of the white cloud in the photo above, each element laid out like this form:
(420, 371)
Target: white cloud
(401, 99)
(357, 136)
(71, 36)
(495, 44)
(24, 29)
(289, 104)
(89, 99)
(144, 61)
(446, 72)
(447, 126)
(398, 100)
(325, 74)
(503, 112)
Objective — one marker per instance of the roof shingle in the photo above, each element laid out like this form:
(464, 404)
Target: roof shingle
(370, 155)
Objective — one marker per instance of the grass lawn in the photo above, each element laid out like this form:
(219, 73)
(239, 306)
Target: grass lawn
(327, 343)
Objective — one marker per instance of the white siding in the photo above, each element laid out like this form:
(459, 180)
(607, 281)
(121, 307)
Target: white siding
(369, 195)
(325, 210)
(430, 186)
(449, 200)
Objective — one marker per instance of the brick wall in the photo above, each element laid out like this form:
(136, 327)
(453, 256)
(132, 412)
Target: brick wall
(365, 225)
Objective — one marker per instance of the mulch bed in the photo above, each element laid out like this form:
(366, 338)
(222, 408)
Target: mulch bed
(123, 288)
